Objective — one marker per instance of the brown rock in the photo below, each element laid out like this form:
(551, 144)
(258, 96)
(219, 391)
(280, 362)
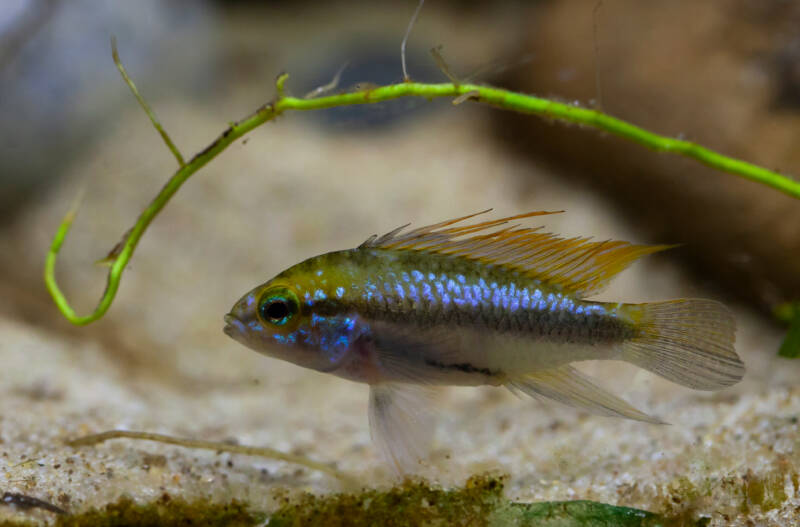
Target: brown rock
(722, 74)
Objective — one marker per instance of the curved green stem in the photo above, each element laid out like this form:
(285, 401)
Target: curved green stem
(265, 452)
(504, 99)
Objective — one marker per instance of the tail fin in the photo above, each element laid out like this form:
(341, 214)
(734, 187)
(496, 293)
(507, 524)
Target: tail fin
(689, 342)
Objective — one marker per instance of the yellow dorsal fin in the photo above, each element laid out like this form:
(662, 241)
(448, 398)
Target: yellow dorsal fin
(576, 265)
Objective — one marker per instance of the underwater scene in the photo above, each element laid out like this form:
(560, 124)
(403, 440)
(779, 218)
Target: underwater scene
(399, 263)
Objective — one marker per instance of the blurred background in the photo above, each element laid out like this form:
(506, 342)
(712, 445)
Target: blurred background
(725, 74)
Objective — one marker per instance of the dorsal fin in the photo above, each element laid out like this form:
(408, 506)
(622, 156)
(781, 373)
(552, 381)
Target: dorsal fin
(575, 265)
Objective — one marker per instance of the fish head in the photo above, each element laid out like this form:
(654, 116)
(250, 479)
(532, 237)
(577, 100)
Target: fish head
(279, 320)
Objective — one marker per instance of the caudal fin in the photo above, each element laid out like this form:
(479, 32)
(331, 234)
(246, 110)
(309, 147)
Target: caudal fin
(689, 342)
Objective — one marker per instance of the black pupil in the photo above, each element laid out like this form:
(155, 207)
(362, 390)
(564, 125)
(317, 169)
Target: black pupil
(276, 310)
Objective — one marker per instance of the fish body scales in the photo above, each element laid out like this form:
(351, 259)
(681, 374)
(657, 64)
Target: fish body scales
(433, 291)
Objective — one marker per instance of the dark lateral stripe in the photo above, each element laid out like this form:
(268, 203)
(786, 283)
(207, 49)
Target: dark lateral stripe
(461, 366)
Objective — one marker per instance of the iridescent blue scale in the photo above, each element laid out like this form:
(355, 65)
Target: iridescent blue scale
(433, 297)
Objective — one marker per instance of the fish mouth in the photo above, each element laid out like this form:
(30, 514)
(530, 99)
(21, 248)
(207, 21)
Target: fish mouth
(233, 326)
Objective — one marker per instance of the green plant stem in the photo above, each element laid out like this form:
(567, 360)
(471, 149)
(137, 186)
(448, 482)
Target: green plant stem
(264, 452)
(499, 98)
(146, 107)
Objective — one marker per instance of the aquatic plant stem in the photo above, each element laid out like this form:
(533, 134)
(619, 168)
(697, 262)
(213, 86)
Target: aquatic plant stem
(119, 257)
(146, 107)
(264, 452)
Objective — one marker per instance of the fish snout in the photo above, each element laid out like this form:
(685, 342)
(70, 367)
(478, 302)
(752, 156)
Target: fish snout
(233, 326)
(242, 313)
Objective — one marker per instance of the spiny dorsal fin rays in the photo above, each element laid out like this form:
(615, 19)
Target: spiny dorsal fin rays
(437, 231)
(446, 223)
(576, 265)
(386, 237)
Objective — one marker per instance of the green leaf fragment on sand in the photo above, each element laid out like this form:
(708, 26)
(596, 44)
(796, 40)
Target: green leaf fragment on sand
(572, 514)
(790, 348)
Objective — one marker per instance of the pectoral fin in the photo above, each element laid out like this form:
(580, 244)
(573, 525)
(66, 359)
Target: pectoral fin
(568, 386)
(401, 421)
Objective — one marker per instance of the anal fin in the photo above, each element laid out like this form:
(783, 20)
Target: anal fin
(569, 386)
(401, 422)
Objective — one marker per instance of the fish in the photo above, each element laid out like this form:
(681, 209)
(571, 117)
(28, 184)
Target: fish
(472, 303)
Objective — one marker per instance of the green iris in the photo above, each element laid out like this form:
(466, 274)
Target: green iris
(277, 308)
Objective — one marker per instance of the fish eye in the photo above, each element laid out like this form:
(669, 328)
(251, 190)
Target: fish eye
(277, 309)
